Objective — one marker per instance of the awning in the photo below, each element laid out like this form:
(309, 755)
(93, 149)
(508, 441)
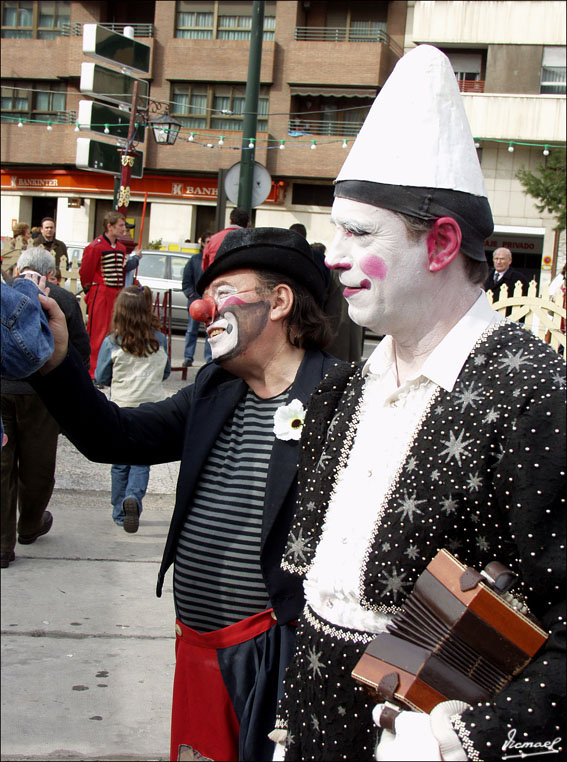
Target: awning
(334, 92)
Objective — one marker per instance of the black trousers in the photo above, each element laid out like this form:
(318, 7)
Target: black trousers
(27, 465)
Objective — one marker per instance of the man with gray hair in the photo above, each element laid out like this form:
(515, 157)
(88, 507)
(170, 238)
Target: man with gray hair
(28, 458)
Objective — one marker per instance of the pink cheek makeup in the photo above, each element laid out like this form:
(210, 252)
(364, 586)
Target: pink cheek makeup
(373, 266)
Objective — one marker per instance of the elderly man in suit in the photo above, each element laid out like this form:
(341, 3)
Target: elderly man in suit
(502, 273)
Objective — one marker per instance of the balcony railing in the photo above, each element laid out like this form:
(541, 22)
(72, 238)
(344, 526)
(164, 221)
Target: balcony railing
(55, 117)
(307, 126)
(471, 85)
(76, 29)
(344, 34)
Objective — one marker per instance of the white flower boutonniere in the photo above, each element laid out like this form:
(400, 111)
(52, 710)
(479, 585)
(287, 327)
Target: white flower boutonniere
(288, 421)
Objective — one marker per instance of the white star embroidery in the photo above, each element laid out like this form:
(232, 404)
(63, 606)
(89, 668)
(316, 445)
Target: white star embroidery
(449, 505)
(386, 547)
(469, 396)
(315, 723)
(473, 482)
(514, 361)
(482, 544)
(558, 380)
(435, 476)
(475, 518)
(394, 583)
(296, 546)
(333, 423)
(408, 506)
(323, 461)
(501, 453)
(412, 552)
(453, 545)
(315, 663)
(456, 447)
(492, 416)
(311, 506)
(480, 360)
(438, 410)
(342, 711)
(411, 464)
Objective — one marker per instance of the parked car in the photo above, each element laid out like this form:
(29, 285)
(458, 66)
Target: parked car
(163, 270)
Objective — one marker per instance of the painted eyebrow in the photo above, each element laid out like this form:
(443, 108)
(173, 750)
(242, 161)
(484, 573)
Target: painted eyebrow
(353, 226)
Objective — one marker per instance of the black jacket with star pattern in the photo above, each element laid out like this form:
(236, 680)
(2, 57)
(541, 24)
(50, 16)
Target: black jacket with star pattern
(484, 476)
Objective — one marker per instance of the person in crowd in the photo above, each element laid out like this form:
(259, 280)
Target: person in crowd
(452, 436)
(27, 342)
(47, 239)
(133, 361)
(102, 273)
(236, 431)
(300, 228)
(191, 274)
(239, 218)
(502, 273)
(21, 238)
(348, 340)
(29, 455)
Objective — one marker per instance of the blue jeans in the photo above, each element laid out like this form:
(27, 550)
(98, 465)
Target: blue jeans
(127, 481)
(191, 341)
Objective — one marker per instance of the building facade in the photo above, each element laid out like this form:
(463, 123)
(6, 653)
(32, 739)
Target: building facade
(323, 61)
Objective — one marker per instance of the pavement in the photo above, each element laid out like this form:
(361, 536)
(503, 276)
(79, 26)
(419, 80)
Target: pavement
(87, 650)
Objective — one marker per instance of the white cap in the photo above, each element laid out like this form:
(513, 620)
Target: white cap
(417, 133)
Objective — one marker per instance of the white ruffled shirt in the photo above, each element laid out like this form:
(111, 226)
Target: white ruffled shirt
(389, 416)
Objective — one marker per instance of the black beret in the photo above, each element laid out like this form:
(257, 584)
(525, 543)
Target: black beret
(276, 250)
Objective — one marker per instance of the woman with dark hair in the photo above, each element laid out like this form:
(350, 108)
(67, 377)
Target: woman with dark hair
(133, 361)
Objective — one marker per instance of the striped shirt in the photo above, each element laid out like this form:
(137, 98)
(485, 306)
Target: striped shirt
(217, 577)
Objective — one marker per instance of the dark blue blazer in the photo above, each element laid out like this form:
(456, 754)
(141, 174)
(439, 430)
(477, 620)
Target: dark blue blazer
(184, 427)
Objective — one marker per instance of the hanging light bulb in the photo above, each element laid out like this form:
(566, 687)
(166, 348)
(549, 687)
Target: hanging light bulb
(476, 144)
(313, 145)
(511, 148)
(191, 137)
(546, 151)
(49, 127)
(282, 145)
(345, 144)
(221, 140)
(20, 123)
(76, 127)
(251, 143)
(106, 130)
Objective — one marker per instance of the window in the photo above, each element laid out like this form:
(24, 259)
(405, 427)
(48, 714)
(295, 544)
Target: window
(468, 67)
(215, 107)
(314, 112)
(221, 20)
(36, 101)
(553, 67)
(34, 19)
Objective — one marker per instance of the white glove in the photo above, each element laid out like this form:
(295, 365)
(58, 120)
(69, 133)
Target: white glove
(278, 736)
(420, 737)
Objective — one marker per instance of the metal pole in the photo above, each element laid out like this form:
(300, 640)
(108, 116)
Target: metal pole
(128, 157)
(221, 200)
(251, 107)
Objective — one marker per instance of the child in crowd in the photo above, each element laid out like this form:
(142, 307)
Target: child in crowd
(133, 361)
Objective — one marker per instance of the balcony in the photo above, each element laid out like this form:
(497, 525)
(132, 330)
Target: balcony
(76, 29)
(306, 126)
(344, 34)
(471, 85)
(538, 118)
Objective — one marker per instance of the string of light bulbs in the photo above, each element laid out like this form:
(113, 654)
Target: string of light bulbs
(207, 140)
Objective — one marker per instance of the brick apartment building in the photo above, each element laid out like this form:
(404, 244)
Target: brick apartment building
(323, 61)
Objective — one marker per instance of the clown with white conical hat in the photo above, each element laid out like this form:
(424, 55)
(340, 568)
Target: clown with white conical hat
(442, 440)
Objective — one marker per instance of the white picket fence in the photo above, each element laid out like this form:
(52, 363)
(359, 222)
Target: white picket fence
(542, 314)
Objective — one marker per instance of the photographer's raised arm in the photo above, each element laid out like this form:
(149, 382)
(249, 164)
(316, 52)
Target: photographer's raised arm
(58, 326)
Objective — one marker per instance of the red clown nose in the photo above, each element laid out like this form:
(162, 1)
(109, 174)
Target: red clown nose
(203, 310)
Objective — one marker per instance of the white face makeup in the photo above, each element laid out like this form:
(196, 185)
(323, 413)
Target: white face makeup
(240, 318)
(383, 271)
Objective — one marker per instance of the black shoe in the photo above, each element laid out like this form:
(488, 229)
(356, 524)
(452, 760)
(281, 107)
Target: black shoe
(131, 515)
(187, 363)
(6, 559)
(46, 524)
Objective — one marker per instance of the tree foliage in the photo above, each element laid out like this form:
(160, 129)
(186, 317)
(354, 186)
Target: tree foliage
(547, 184)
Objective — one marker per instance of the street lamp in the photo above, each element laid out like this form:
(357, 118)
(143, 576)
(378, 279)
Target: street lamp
(165, 129)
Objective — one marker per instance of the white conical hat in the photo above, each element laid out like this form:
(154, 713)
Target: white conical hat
(417, 133)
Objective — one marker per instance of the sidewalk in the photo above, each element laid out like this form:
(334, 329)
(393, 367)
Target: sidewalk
(87, 648)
